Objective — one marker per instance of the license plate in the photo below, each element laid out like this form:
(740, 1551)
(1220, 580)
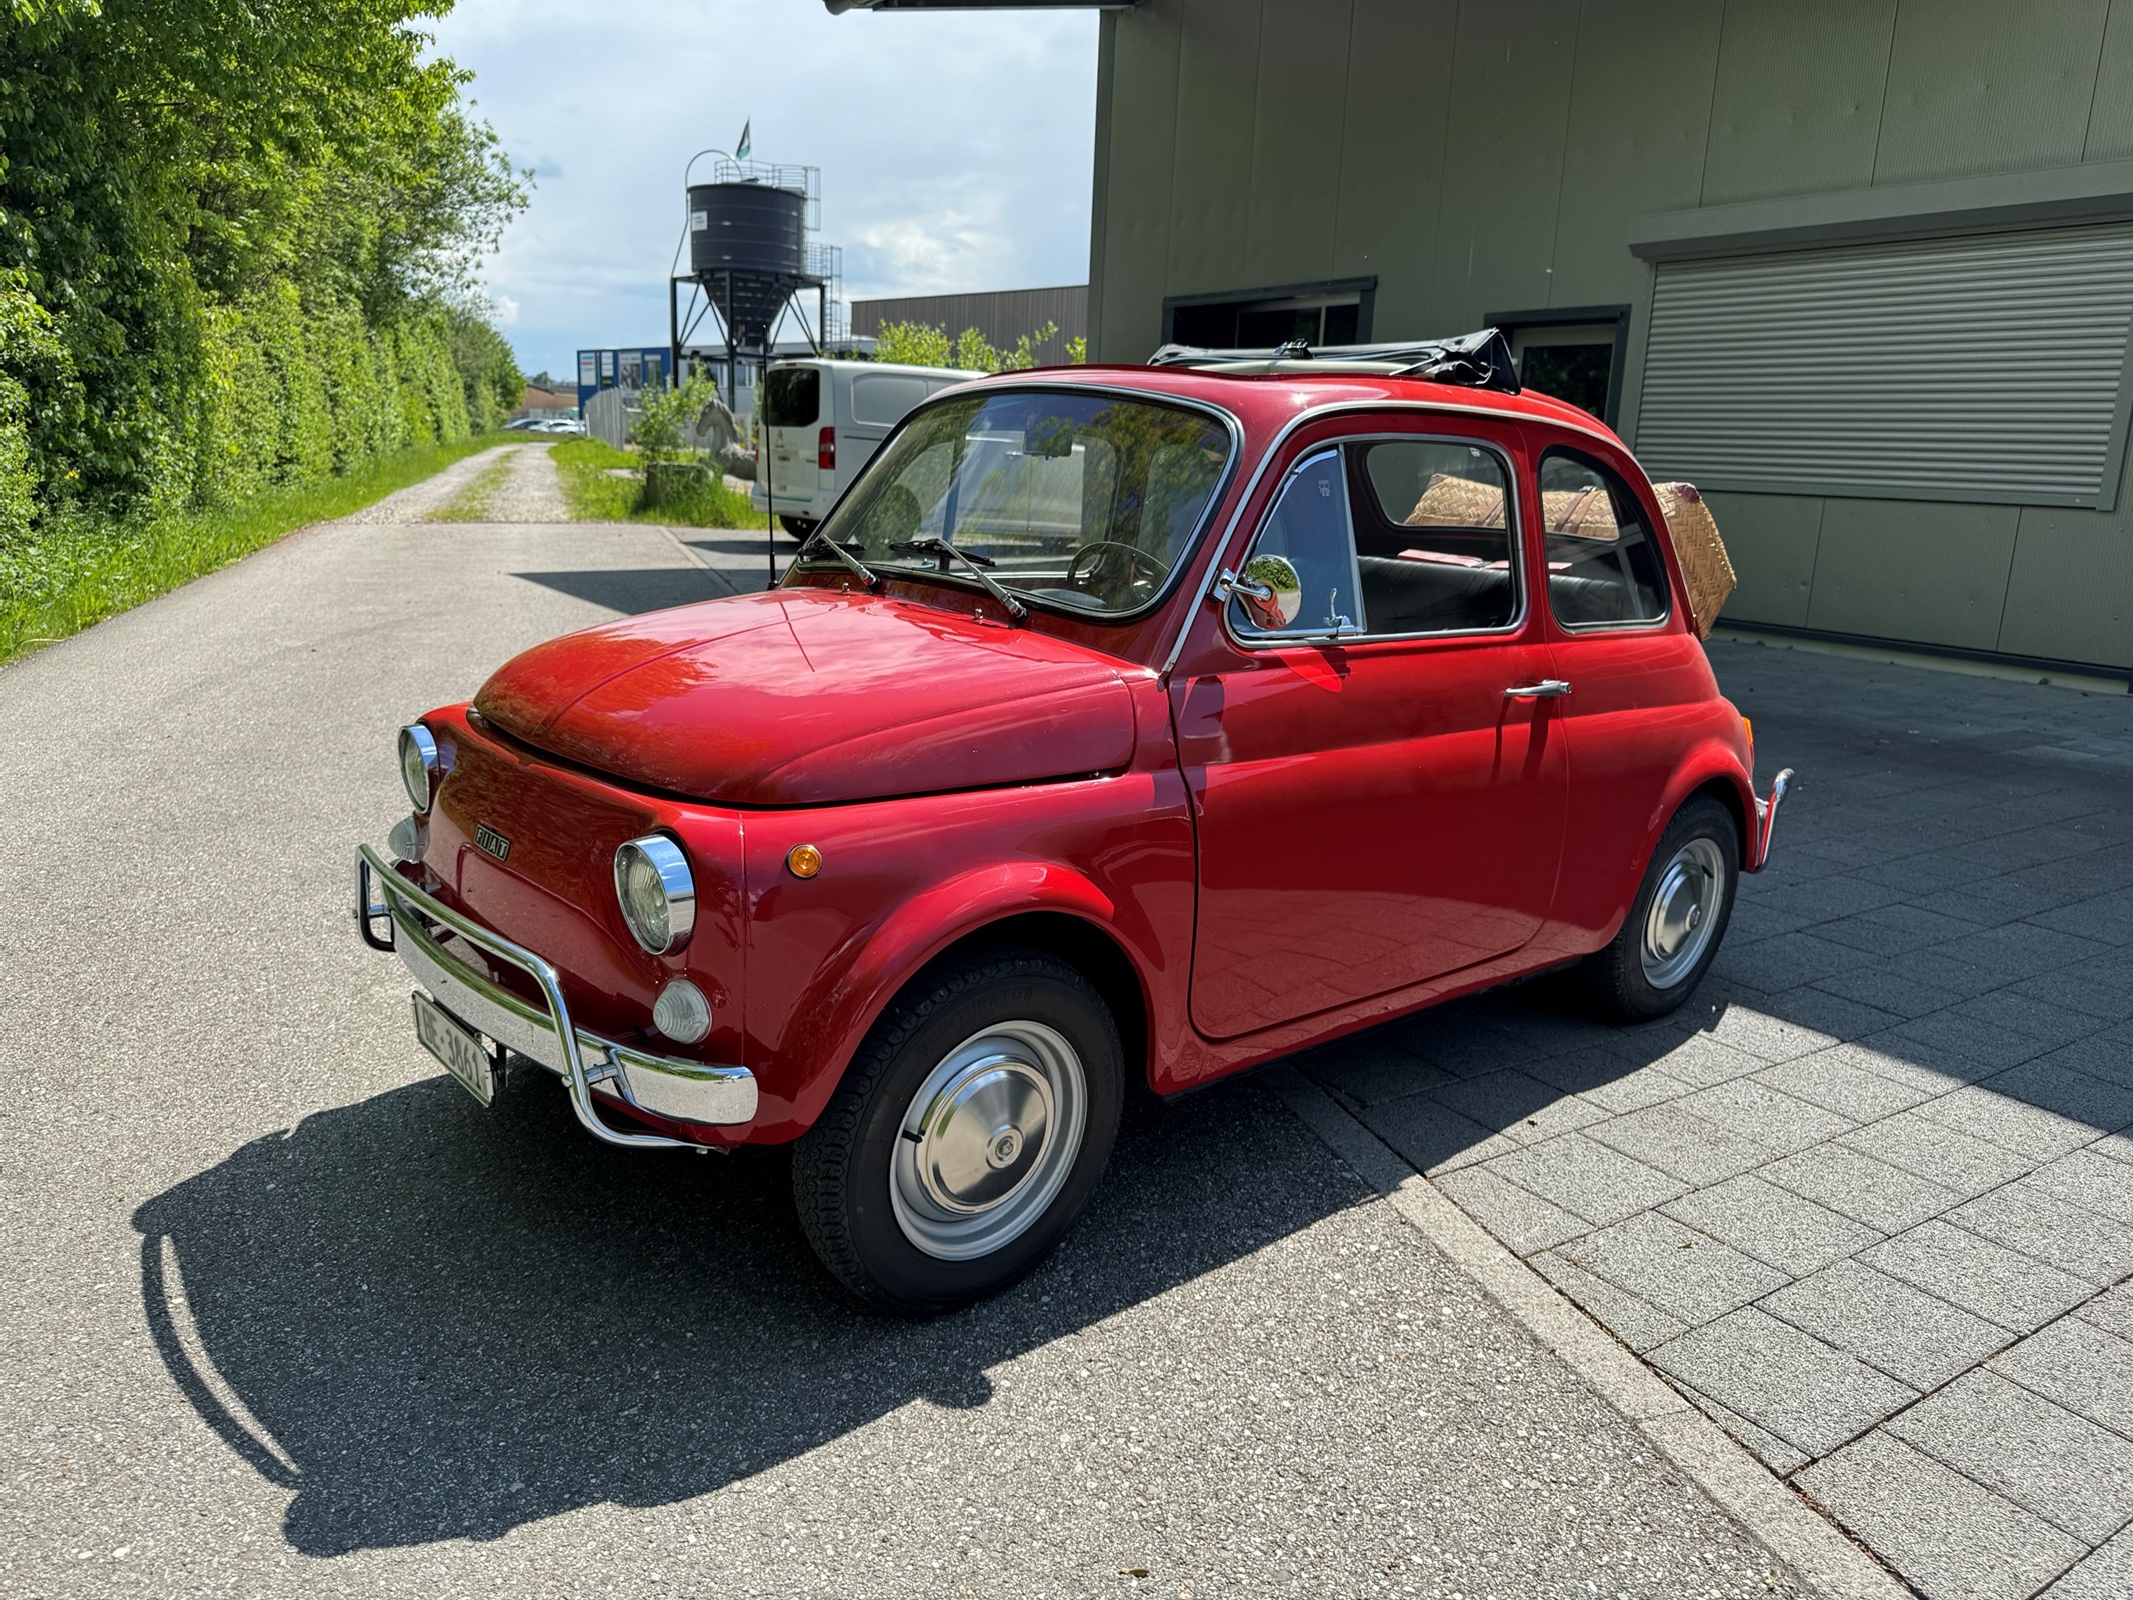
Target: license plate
(457, 1046)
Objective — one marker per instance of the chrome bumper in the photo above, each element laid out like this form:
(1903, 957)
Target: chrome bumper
(682, 1091)
(1766, 816)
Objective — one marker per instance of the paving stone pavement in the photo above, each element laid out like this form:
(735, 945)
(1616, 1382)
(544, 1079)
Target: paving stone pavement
(1868, 1199)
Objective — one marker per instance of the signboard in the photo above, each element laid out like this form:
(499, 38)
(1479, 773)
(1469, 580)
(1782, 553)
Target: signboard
(627, 367)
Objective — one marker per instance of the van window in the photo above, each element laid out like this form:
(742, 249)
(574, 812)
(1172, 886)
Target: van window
(1604, 568)
(880, 399)
(792, 397)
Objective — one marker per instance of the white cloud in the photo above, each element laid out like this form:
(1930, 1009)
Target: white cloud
(505, 310)
(955, 148)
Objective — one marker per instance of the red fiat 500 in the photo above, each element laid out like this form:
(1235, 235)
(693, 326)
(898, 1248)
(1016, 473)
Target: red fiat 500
(1118, 721)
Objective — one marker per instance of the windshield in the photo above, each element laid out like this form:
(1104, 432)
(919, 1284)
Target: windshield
(1084, 501)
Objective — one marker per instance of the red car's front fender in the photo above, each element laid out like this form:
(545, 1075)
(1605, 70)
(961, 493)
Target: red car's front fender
(828, 954)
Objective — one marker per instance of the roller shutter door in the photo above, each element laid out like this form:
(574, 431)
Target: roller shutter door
(1985, 369)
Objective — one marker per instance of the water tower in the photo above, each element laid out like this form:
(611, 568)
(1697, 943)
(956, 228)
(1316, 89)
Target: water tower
(750, 259)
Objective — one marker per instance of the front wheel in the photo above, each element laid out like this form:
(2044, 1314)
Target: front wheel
(967, 1134)
(1678, 919)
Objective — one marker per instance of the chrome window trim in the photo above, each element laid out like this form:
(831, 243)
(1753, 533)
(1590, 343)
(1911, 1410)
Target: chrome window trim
(686, 1091)
(1640, 625)
(964, 391)
(1337, 408)
(1515, 531)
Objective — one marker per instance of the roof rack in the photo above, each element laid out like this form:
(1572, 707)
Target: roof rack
(1479, 360)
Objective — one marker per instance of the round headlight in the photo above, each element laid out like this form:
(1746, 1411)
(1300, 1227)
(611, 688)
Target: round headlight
(658, 896)
(418, 763)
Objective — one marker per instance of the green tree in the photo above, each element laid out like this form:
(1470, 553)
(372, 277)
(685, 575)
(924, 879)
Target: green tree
(488, 371)
(917, 345)
(240, 213)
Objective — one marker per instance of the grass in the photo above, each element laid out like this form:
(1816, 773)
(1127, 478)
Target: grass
(595, 494)
(77, 571)
(471, 504)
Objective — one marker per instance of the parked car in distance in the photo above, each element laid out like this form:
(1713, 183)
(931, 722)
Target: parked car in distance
(821, 422)
(1120, 724)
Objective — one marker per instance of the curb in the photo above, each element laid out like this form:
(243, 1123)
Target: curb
(1793, 1532)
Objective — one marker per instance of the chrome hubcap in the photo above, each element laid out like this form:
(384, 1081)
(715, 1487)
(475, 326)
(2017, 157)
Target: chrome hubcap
(988, 1140)
(1684, 911)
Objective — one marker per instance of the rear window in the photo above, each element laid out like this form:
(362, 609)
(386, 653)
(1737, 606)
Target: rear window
(792, 397)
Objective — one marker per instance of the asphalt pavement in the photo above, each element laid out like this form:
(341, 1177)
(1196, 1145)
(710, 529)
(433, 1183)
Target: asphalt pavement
(284, 1312)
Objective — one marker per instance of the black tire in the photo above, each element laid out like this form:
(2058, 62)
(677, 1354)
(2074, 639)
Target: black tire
(842, 1174)
(795, 527)
(1619, 978)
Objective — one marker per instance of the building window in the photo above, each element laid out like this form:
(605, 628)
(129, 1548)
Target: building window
(1319, 314)
(1573, 355)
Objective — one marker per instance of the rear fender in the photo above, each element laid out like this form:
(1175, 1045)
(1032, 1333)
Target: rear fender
(1711, 765)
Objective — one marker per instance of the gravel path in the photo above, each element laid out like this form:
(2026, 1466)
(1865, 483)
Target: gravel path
(533, 493)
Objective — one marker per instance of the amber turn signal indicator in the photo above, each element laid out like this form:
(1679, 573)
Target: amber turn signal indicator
(803, 860)
(1748, 727)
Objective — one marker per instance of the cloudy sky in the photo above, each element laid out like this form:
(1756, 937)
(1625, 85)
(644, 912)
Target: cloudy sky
(955, 149)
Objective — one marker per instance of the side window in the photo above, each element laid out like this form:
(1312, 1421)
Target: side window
(1301, 576)
(1433, 537)
(1604, 567)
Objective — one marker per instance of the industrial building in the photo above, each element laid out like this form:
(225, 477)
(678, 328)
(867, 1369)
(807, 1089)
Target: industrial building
(1004, 316)
(1861, 269)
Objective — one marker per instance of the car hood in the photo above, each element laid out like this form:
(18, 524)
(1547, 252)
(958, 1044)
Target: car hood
(813, 697)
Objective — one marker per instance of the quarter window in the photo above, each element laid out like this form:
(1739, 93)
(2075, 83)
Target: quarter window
(1604, 568)
(1305, 556)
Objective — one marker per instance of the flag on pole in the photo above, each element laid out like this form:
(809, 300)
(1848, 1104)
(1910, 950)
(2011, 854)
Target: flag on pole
(740, 151)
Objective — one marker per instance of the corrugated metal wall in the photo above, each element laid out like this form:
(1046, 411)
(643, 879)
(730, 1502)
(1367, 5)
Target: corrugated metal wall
(1987, 370)
(1002, 315)
(1490, 155)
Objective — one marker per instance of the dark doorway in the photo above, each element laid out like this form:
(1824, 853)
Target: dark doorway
(1319, 314)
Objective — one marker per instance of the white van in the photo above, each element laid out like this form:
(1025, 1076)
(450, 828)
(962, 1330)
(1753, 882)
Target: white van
(821, 421)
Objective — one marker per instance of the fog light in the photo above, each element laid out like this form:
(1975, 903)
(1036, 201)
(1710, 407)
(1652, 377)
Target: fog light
(418, 764)
(405, 841)
(657, 893)
(681, 1012)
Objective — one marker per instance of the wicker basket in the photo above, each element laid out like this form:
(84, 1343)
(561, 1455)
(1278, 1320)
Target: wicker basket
(1450, 502)
(1705, 568)
(1579, 513)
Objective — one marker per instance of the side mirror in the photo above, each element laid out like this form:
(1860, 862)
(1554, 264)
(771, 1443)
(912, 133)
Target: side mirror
(1268, 589)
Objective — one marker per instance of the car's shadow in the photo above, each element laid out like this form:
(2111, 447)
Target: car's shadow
(436, 1322)
(632, 592)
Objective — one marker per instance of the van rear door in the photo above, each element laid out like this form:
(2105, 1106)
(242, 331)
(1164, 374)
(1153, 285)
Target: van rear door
(792, 418)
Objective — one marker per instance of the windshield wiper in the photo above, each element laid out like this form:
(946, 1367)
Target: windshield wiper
(977, 564)
(866, 573)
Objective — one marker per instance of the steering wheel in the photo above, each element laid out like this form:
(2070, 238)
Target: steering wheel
(1135, 555)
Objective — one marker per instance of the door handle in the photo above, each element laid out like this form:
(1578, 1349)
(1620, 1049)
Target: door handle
(1546, 689)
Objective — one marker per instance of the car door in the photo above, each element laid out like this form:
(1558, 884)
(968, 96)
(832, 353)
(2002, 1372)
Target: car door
(1638, 676)
(1377, 805)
